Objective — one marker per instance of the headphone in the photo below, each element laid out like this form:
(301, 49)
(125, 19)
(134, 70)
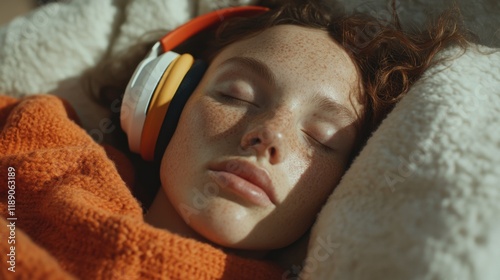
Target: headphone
(162, 83)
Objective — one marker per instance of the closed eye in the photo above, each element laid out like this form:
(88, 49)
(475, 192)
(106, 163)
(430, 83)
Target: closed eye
(315, 142)
(227, 98)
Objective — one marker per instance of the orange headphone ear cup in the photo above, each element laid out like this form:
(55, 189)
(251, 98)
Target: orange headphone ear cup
(161, 101)
(186, 88)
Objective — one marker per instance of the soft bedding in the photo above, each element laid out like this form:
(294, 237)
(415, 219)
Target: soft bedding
(419, 202)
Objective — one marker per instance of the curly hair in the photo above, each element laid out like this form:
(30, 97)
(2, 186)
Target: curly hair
(388, 59)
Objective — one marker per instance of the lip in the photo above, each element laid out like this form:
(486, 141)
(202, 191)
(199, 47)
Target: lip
(244, 178)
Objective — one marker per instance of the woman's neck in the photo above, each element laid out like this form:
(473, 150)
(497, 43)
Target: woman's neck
(161, 214)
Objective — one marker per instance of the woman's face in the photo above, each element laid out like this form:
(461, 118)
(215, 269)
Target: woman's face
(264, 138)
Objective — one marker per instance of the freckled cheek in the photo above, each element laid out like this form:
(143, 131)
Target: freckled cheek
(329, 172)
(327, 176)
(314, 175)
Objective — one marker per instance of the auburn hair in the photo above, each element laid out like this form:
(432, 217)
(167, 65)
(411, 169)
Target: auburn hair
(389, 60)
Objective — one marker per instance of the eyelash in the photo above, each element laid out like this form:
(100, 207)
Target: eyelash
(316, 143)
(231, 99)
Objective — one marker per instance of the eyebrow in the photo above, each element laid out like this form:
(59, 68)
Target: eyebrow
(331, 106)
(255, 65)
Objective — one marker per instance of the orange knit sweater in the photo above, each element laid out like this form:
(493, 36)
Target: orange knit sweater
(70, 215)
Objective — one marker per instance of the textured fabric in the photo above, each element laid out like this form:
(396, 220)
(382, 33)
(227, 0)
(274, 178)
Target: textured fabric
(75, 216)
(422, 199)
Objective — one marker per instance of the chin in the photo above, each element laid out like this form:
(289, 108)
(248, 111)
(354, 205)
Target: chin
(227, 224)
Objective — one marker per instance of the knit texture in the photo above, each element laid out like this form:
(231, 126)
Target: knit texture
(76, 217)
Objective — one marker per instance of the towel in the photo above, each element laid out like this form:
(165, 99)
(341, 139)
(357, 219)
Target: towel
(69, 214)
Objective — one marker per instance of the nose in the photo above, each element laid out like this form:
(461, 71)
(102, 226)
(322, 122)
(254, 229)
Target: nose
(266, 140)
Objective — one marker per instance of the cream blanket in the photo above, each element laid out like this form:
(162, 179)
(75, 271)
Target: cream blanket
(421, 200)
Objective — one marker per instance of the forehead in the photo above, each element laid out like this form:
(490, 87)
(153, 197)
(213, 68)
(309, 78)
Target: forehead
(286, 41)
(299, 56)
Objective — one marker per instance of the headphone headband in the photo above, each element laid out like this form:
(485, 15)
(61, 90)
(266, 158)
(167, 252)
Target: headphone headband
(203, 22)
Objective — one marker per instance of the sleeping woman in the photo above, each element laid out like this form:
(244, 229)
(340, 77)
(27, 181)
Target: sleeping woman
(289, 98)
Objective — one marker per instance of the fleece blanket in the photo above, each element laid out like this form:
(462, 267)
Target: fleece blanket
(417, 203)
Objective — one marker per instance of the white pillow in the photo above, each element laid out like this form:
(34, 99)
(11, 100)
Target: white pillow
(143, 16)
(53, 43)
(422, 199)
(480, 16)
(49, 49)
